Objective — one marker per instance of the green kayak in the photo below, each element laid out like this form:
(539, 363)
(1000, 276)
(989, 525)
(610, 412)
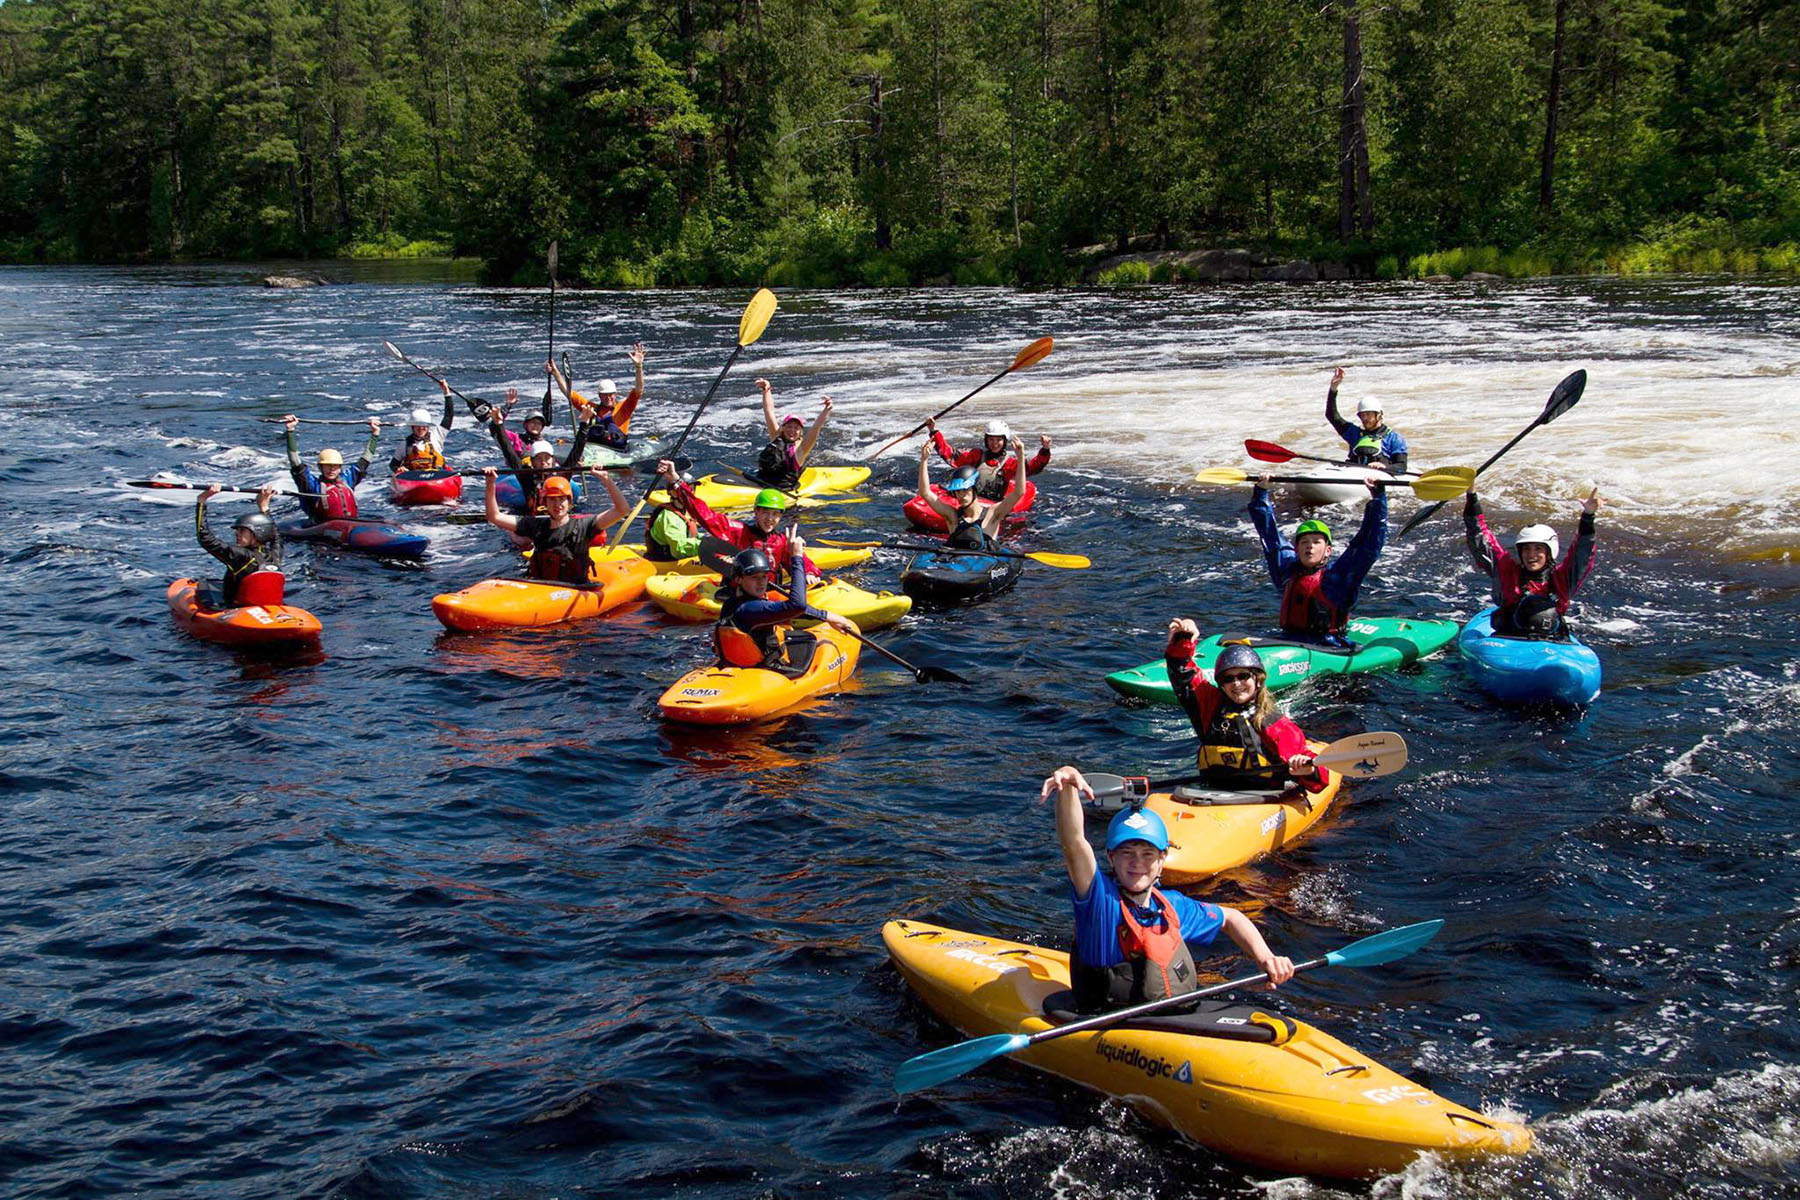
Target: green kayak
(1380, 643)
(606, 456)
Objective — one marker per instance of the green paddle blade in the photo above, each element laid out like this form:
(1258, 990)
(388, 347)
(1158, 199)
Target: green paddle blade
(929, 1070)
(1383, 947)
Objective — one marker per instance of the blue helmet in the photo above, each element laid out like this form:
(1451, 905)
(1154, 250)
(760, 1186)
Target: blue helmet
(962, 480)
(1136, 825)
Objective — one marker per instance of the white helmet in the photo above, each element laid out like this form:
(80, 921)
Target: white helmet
(421, 416)
(1543, 535)
(1368, 404)
(608, 388)
(542, 447)
(997, 429)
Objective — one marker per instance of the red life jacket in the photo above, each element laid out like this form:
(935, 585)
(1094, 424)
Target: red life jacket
(1514, 586)
(1159, 948)
(1304, 608)
(338, 499)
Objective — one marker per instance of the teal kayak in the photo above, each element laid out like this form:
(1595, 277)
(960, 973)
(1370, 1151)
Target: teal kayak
(1378, 643)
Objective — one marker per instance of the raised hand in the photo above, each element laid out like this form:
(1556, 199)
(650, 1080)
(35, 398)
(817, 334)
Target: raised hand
(1337, 377)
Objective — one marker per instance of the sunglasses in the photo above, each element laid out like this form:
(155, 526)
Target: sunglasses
(1234, 677)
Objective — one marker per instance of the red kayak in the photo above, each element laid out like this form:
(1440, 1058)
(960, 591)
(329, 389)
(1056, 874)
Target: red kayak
(925, 517)
(426, 487)
(265, 621)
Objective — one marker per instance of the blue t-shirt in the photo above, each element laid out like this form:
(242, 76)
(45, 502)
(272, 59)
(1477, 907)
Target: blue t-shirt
(1097, 920)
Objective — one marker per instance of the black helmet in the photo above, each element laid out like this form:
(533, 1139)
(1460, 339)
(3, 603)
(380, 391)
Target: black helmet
(1536, 617)
(260, 526)
(751, 562)
(1238, 656)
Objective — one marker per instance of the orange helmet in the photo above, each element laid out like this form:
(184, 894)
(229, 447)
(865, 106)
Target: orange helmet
(557, 485)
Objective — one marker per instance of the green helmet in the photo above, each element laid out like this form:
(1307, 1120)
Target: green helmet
(770, 498)
(1312, 526)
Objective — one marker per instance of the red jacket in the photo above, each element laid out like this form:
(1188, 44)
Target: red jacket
(1281, 738)
(742, 534)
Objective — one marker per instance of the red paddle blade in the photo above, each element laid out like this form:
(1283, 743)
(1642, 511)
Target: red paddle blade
(1267, 451)
(1037, 352)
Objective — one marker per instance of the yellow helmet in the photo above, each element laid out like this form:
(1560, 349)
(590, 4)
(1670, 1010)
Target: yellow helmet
(330, 458)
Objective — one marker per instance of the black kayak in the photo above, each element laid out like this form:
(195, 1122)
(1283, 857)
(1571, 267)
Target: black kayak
(934, 577)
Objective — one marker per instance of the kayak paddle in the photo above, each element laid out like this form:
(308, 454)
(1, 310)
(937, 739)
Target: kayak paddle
(551, 355)
(1034, 353)
(479, 408)
(322, 421)
(750, 327)
(1271, 452)
(1562, 399)
(1359, 756)
(1440, 483)
(1069, 562)
(201, 487)
(928, 1070)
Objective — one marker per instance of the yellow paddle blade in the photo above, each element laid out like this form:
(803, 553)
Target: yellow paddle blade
(756, 316)
(1073, 562)
(825, 541)
(1037, 352)
(1222, 475)
(1442, 485)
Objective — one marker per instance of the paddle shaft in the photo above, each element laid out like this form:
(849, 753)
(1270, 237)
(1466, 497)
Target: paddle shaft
(939, 415)
(1125, 1014)
(551, 356)
(475, 407)
(320, 421)
(680, 441)
(930, 549)
(201, 487)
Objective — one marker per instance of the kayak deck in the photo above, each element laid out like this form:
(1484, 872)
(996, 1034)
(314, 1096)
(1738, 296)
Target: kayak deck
(1526, 671)
(716, 695)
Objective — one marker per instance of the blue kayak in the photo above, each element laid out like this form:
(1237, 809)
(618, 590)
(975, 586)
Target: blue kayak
(508, 493)
(375, 537)
(1525, 670)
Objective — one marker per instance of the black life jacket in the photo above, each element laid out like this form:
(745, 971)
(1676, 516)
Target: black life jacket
(969, 535)
(990, 482)
(779, 465)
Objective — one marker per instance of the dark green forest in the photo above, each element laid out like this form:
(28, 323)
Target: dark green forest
(897, 141)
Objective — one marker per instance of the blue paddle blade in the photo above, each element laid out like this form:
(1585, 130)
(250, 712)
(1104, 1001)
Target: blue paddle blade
(1384, 947)
(929, 1070)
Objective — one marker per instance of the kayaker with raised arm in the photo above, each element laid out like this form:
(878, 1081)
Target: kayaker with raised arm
(559, 541)
(541, 460)
(760, 532)
(674, 533)
(993, 468)
(610, 419)
(1245, 741)
(971, 528)
(333, 483)
(255, 545)
(1371, 442)
(1317, 594)
(790, 442)
(1532, 590)
(423, 449)
(754, 629)
(1134, 942)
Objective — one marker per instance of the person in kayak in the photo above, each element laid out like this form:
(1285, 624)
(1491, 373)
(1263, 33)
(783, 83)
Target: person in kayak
(333, 484)
(760, 532)
(993, 469)
(754, 629)
(674, 533)
(1134, 942)
(610, 420)
(1316, 596)
(542, 458)
(423, 449)
(255, 546)
(1532, 590)
(971, 528)
(559, 541)
(1371, 442)
(790, 442)
(1245, 741)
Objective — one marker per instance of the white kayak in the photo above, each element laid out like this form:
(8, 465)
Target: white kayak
(1351, 491)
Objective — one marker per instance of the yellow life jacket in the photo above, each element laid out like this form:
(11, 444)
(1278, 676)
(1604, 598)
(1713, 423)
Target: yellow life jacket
(422, 456)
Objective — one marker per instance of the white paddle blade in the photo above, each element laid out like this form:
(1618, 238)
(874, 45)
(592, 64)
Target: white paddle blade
(1364, 755)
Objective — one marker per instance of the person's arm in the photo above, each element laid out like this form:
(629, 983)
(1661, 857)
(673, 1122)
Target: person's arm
(507, 451)
(292, 423)
(560, 379)
(1346, 575)
(717, 524)
(1071, 832)
(1041, 459)
(996, 513)
(449, 417)
(361, 466)
(1278, 556)
(209, 541)
(768, 407)
(579, 446)
(1580, 559)
(940, 443)
(1484, 547)
(812, 435)
(1249, 939)
(926, 494)
(620, 506)
(1394, 447)
(1192, 692)
(1284, 742)
(495, 517)
(627, 406)
(1348, 430)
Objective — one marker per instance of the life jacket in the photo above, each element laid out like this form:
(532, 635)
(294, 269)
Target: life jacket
(767, 647)
(779, 464)
(1232, 752)
(263, 586)
(1157, 962)
(1304, 608)
(421, 455)
(555, 566)
(606, 431)
(990, 483)
(337, 499)
(736, 648)
(1367, 449)
(1515, 584)
(968, 535)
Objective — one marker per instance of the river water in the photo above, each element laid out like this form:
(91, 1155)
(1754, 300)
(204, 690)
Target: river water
(425, 915)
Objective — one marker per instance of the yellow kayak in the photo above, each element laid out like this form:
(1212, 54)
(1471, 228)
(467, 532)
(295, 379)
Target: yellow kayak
(732, 695)
(814, 481)
(519, 603)
(691, 598)
(826, 558)
(1263, 1088)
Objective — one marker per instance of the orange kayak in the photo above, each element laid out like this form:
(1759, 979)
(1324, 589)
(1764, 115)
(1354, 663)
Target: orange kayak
(522, 603)
(194, 606)
(733, 695)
